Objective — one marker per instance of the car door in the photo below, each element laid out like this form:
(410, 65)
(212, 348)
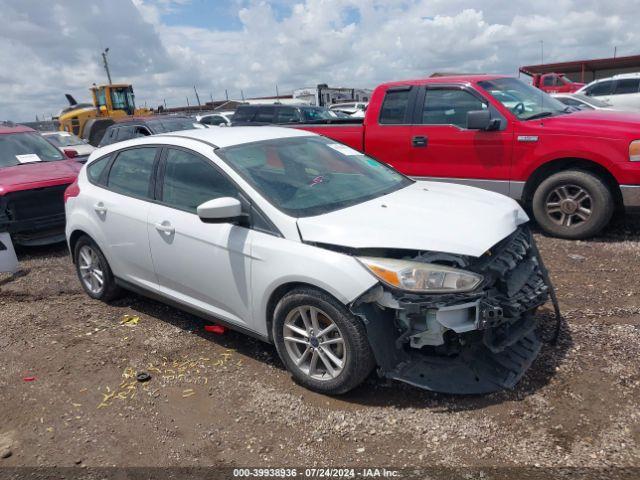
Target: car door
(204, 265)
(388, 138)
(121, 207)
(444, 148)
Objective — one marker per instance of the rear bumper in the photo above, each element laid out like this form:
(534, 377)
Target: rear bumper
(630, 196)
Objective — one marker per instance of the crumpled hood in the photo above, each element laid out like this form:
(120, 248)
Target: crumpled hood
(431, 216)
(38, 174)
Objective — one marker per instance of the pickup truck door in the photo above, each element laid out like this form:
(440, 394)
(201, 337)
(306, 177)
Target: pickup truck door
(387, 137)
(442, 147)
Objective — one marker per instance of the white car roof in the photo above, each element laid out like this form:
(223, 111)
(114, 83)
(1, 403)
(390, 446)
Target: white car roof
(228, 136)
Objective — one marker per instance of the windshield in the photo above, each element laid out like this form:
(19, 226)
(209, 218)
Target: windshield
(172, 125)
(122, 99)
(308, 176)
(63, 139)
(524, 101)
(18, 148)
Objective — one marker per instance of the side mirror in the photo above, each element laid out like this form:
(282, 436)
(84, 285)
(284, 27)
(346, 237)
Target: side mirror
(70, 152)
(220, 210)
(481, 120)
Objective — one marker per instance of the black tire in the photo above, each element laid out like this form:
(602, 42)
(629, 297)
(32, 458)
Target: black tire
(555, 219)
(109, 289)
(359, 360)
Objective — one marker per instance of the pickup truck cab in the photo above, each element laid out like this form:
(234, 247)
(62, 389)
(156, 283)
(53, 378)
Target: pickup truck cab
(556, 83)
(572, 169)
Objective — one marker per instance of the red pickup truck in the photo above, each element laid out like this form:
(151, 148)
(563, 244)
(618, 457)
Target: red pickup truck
(556, 83)
(572, 169)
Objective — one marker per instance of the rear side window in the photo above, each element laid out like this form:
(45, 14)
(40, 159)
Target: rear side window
(287, 115)
(549, 81)
(626, 85)
(394, 107)
(131, 172)
(602, 88)
(95, 169)
(190, 181)
(244, 114)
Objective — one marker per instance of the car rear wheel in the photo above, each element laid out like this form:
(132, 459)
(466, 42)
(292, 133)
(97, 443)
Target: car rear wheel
(573, 204)
(93, 271)
(321, 343)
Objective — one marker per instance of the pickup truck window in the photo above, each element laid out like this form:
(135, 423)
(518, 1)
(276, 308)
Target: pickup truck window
(394, 107)
(308, 176)
(449, 106)
(524, 101)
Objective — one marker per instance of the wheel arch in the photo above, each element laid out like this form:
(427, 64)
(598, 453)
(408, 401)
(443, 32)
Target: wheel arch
(279, 293)
(73, 240)
(570, 163)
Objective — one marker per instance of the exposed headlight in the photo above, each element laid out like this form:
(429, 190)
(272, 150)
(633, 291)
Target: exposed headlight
(634, 151)
(421, 277)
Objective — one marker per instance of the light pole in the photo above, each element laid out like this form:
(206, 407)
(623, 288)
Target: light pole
(106, 64)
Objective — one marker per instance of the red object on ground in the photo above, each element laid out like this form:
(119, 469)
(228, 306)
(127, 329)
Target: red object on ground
(29, 379)
(217, 329)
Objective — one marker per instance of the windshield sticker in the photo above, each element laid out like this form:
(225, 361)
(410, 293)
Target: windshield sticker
(28, 158)
(343, 149)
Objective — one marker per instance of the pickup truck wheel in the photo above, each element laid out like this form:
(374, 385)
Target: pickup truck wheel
(324, 346)
(573, 204)
(93, 271)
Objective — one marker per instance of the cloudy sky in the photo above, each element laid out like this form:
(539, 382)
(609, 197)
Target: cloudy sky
(165, 47)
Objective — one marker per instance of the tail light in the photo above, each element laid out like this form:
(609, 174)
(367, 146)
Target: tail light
(72, 190)
(70, 153)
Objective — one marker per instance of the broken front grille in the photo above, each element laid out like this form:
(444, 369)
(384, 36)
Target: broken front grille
(34, 204)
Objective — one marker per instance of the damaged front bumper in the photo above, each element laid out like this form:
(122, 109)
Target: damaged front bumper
(475, 342)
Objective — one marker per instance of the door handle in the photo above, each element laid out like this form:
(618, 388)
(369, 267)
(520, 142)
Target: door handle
(165, 227)
(419, 141)
(100, 208)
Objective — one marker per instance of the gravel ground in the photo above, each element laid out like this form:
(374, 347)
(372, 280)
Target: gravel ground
(68, 394)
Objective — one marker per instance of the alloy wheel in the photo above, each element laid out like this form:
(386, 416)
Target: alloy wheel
(314, 342)
(569, 205)
(91, 270)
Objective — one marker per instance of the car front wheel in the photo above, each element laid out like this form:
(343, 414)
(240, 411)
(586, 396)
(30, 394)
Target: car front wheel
(321, 343)
(573, 204)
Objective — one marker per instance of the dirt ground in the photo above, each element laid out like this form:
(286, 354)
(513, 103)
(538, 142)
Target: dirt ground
(69, 397)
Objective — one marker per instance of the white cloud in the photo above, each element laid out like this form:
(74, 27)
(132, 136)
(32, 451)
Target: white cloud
(48, 49)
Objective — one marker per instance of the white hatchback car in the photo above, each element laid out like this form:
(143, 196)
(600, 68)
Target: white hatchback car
(341, 261)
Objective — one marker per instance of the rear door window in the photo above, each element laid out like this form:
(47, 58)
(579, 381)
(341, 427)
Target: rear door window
(131, 172)
(189, 181)
(395, 107)
(96, 168)
(626, 85)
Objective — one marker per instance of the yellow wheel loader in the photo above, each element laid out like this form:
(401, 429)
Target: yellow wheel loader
(89, 121)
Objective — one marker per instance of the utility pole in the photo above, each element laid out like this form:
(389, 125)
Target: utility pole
(226, 94)
(187, 101)
(615, 51)
(242, 95)
(164, 100)
(541, 52)
(106, 64)
(197, 96)
(277, 94)
(211, 97)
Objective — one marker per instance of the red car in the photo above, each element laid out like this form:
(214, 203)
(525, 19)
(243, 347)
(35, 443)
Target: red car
(33, 177)
(572, 169)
